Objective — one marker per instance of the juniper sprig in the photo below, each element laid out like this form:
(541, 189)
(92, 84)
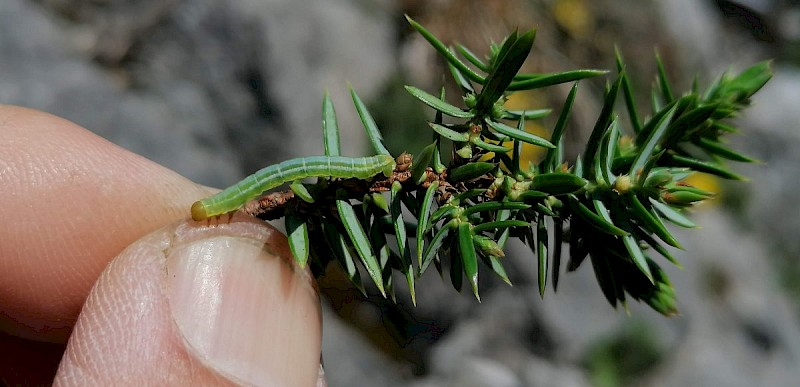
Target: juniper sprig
(612, 204)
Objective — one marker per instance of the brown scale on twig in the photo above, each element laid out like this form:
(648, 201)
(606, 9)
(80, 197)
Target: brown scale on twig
(268, 203)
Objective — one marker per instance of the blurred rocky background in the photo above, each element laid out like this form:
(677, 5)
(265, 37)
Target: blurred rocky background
(216, 89)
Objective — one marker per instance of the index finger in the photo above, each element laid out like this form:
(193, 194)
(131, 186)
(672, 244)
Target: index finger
(71, 202)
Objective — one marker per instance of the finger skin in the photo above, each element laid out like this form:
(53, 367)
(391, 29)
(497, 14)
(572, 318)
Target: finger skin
(133, 329)
(71, 202)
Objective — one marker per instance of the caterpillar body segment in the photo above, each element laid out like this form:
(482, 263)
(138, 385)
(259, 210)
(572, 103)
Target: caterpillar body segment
(237, 195)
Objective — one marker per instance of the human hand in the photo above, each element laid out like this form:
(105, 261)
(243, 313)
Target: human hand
(184, 304)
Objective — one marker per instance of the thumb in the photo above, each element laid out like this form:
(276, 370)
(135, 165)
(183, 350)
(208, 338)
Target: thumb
(192, 304)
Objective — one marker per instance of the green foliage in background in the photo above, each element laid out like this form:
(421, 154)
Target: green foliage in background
(454, 205)
(619, 359)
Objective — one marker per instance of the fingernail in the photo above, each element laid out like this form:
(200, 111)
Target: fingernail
(243, 309)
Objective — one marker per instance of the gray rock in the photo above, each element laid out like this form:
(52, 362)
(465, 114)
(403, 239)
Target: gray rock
(315, 45)
(209, 88)
(350, 360)
(774, 137)
(42, 69)
(741, 332)
(504, 342)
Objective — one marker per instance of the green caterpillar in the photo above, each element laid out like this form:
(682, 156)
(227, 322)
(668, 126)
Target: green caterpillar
(237, 195)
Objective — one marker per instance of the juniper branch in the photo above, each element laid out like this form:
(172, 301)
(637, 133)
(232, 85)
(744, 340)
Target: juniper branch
(611, 205)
